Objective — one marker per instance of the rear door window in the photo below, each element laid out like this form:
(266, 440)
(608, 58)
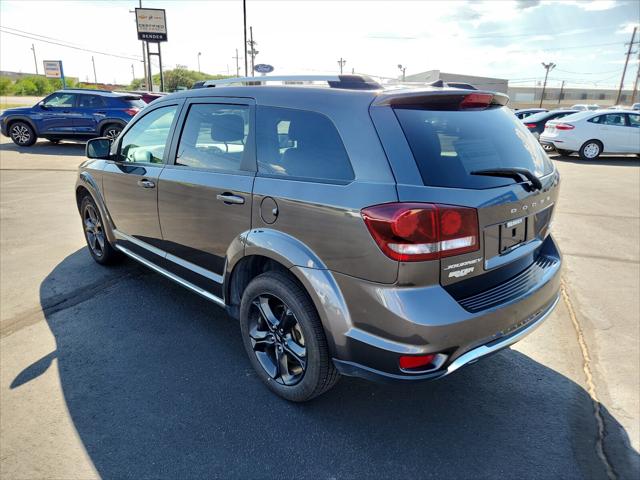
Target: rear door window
(300, 144)
(90, 101)
(449, 145)
(634, 120)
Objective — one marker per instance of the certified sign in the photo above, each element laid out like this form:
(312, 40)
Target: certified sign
(152, 24)
(52, 68)
(263, 68)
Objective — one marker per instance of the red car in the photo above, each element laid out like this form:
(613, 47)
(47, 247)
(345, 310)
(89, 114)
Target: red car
(148, 97)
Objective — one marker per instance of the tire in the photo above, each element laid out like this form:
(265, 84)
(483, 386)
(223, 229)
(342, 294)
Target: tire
(565, 153)
(111, 131)
(93, 227)
(22, 134)
(295, 334)
(591, 150)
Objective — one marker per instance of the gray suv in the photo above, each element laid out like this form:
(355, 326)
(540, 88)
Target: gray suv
(385, 233)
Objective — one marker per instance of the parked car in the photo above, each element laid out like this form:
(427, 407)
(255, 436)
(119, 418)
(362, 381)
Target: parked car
(388, 234)
(635, 106)
(527, 112)
(75, 114)
(583, 106)
(147, 97)
(535, 123)
(594, 133)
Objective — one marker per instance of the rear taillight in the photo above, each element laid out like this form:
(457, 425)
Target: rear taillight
(476, 100)
(530, 125)
(565, 126)
(131, 111)
(411, 232)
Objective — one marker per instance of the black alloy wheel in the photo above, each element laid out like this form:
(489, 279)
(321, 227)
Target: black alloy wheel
(93, 230)
(277, 340)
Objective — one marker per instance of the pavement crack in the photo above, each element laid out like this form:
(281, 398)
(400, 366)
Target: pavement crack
(591, 387)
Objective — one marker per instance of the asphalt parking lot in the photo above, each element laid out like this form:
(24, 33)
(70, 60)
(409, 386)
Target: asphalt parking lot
(119, 373)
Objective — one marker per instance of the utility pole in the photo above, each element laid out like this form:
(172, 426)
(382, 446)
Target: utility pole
(199, 53)
(133, 73)
(626, 62)
(244, 12)
(402, 69)
(341, 62)
(95, 77)
(561, 90)
(635, 84)
(237, 63)
(548, 67)
(33, 47)
(253, 51)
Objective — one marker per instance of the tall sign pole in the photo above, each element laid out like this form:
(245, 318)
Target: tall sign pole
(151, 24)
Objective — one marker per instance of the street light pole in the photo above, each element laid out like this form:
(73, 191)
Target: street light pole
(548, 67)
(133, 73)
(402, 69)
(95, 77)
(237, 58)
(341, 62)
(199, 53)
(33, 47)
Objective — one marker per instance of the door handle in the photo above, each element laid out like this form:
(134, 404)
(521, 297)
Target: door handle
(230, 199)
(144, 183)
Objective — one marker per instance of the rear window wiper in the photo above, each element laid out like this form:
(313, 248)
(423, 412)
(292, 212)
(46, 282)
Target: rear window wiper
(515, 173)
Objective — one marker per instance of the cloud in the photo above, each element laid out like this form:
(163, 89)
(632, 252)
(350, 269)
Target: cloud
(527, 4)
(591, 6)
(627, 28)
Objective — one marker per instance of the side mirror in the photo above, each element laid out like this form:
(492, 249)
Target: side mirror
(43, 106)
(99, 148)
(141, 155)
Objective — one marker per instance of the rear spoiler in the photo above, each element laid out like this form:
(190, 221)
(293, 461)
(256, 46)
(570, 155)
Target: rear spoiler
(441, 99)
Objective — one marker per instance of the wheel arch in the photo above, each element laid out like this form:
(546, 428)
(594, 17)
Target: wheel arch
(265, 250)
(110, 121)
(22, 118)
(87, 185)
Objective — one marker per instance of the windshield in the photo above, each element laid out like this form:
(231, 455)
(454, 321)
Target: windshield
(449, 145)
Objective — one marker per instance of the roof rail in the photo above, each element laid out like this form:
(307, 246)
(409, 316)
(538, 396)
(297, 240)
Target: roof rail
(354, 82)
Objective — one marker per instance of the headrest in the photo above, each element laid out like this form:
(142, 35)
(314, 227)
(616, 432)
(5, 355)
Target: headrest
(227, 127)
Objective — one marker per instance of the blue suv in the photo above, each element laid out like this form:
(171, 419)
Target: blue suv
(71, 114)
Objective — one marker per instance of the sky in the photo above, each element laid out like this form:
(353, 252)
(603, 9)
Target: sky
(505, 39)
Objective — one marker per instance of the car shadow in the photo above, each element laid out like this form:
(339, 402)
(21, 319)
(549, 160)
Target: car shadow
(158, 385)
(44, 147)
(610, 160)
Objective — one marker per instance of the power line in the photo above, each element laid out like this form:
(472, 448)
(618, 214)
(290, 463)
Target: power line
(32, 37)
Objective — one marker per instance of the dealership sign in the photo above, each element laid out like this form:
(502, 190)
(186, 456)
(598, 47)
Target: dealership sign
(263, 68)
(152, 24)
(53, 68)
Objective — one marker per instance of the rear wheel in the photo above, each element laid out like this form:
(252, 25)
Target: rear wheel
(591, 150)
(111, 131)
(22, 134)
(284, 338)
(93, 226)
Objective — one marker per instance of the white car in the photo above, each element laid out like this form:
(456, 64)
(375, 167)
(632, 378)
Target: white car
(584, 106)
(593, 133)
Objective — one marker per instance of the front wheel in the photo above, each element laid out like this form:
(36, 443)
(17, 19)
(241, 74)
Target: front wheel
(283, 336)
(22, 134)
(93, 225)
(591, 150)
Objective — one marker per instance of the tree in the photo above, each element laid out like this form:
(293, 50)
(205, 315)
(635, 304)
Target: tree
(173, 79)
(25, 86)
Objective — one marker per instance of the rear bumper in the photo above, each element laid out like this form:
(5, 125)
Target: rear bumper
(388, 321)
(472, 356)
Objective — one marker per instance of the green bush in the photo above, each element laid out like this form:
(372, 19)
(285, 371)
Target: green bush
(6, 86)
(25, 86)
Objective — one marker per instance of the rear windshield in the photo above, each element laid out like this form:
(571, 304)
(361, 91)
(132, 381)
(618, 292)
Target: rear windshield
(449, 145)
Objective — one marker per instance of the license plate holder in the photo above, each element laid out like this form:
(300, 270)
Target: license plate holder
(512, 234)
